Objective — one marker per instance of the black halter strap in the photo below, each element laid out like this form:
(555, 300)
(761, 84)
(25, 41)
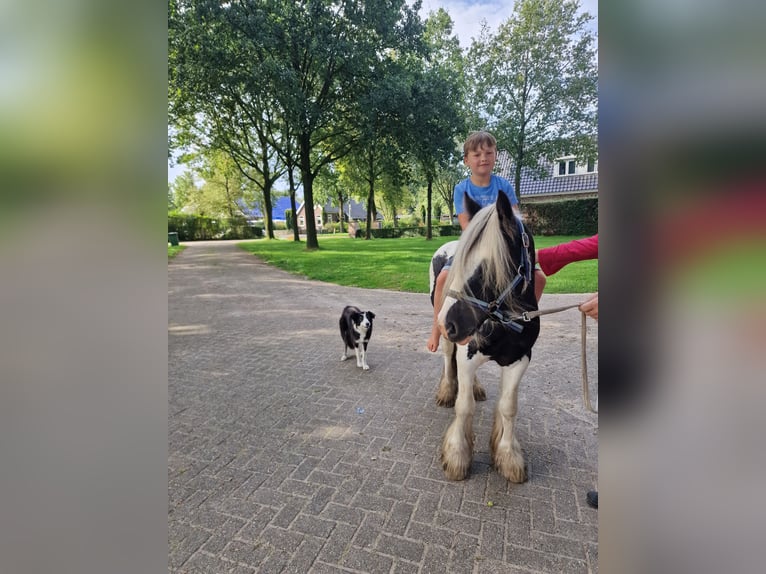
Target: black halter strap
(492, 309)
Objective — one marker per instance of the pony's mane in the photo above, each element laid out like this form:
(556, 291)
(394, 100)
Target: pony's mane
(484, 236)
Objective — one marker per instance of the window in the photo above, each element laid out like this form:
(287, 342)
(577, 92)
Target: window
(568, 166)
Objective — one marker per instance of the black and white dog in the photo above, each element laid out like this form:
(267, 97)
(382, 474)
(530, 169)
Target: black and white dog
(356, 330)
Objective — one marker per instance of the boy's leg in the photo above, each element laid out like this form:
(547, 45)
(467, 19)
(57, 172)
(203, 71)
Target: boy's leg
(433, 340)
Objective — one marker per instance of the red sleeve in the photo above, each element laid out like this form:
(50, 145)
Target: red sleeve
(551, 259)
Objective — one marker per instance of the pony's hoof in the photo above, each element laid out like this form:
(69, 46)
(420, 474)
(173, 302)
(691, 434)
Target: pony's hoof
(445, 401)
(513, 471)
(455, 471)
(366, 367)
(479, 394)
(343, 358)
(456, 454)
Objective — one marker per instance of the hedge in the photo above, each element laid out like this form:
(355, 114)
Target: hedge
(419, 231)
(565, 217)
(194, 227)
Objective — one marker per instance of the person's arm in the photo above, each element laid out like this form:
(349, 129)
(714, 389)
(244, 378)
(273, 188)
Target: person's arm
(463, 219)
(552, 259)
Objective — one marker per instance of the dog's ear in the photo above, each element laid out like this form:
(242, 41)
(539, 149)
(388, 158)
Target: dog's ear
(371, 314)
(471, 207)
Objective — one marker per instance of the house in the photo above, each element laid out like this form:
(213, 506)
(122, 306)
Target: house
(278, 207)
(564, 178)
(328, 213)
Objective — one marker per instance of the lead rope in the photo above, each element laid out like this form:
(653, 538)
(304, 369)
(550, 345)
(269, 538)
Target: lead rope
(583, 349)
(527, 316)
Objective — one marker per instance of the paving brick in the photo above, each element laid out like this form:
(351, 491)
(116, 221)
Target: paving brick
(361, 560)
(400, 547)
(337, 544)
(399, 518)
(305, 557)
(288, 512)
(369, 531)
(272, 469)
(249, 553)
(313, 526)
(431, 535)
(545, 562)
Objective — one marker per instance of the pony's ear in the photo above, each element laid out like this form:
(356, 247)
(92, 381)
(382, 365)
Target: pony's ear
(504, 207)
(471, 207)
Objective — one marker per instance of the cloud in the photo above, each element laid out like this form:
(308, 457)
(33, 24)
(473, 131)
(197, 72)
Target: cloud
(468, 15)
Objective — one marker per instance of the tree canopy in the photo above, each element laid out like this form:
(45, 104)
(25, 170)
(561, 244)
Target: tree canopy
(371, 96)
(535, 82)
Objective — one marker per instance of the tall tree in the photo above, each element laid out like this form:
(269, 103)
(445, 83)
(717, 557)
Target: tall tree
(447, 177)
(309, 59)
(184, 189)
(329, 189)
(286, 147)
(436, 102)
(535, 82)
(226, 188)
(216, 97)
(382, 131)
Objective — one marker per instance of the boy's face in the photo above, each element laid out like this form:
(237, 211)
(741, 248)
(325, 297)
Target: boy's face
(481, 160)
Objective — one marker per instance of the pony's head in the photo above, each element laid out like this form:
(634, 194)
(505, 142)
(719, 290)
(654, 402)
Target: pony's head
(485, 264)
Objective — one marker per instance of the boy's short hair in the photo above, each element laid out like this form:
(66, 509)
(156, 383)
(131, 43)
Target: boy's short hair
(477, 140)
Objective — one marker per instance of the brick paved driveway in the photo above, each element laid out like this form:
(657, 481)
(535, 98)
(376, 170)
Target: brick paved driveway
(283, 459)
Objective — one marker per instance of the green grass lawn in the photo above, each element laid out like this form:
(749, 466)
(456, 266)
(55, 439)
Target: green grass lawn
(395, 264)
(174, 250)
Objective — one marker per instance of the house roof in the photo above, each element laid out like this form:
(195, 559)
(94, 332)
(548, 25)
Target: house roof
(278, 207)
(533, 185)
(358, 210)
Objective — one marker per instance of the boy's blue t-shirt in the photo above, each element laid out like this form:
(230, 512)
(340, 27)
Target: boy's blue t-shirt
(484, 196)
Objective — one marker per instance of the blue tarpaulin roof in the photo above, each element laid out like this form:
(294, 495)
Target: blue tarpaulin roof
(278, 207)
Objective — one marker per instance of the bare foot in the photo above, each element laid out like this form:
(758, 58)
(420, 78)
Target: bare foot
(433, 341)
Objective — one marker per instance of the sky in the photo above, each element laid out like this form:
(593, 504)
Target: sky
(467, 16)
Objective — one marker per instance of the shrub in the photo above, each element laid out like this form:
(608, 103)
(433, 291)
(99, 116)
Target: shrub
(564, 217)
(419, 231)
(195, 227)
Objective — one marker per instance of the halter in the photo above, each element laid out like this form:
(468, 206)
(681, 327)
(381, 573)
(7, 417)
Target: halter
(492, 309)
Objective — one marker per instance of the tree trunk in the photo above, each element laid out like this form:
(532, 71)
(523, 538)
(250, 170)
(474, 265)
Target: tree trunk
(267, 207)
(308, 193)
(340, 210)
(370, 209)
(429, 234)
(294, 212)
(517, 171)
